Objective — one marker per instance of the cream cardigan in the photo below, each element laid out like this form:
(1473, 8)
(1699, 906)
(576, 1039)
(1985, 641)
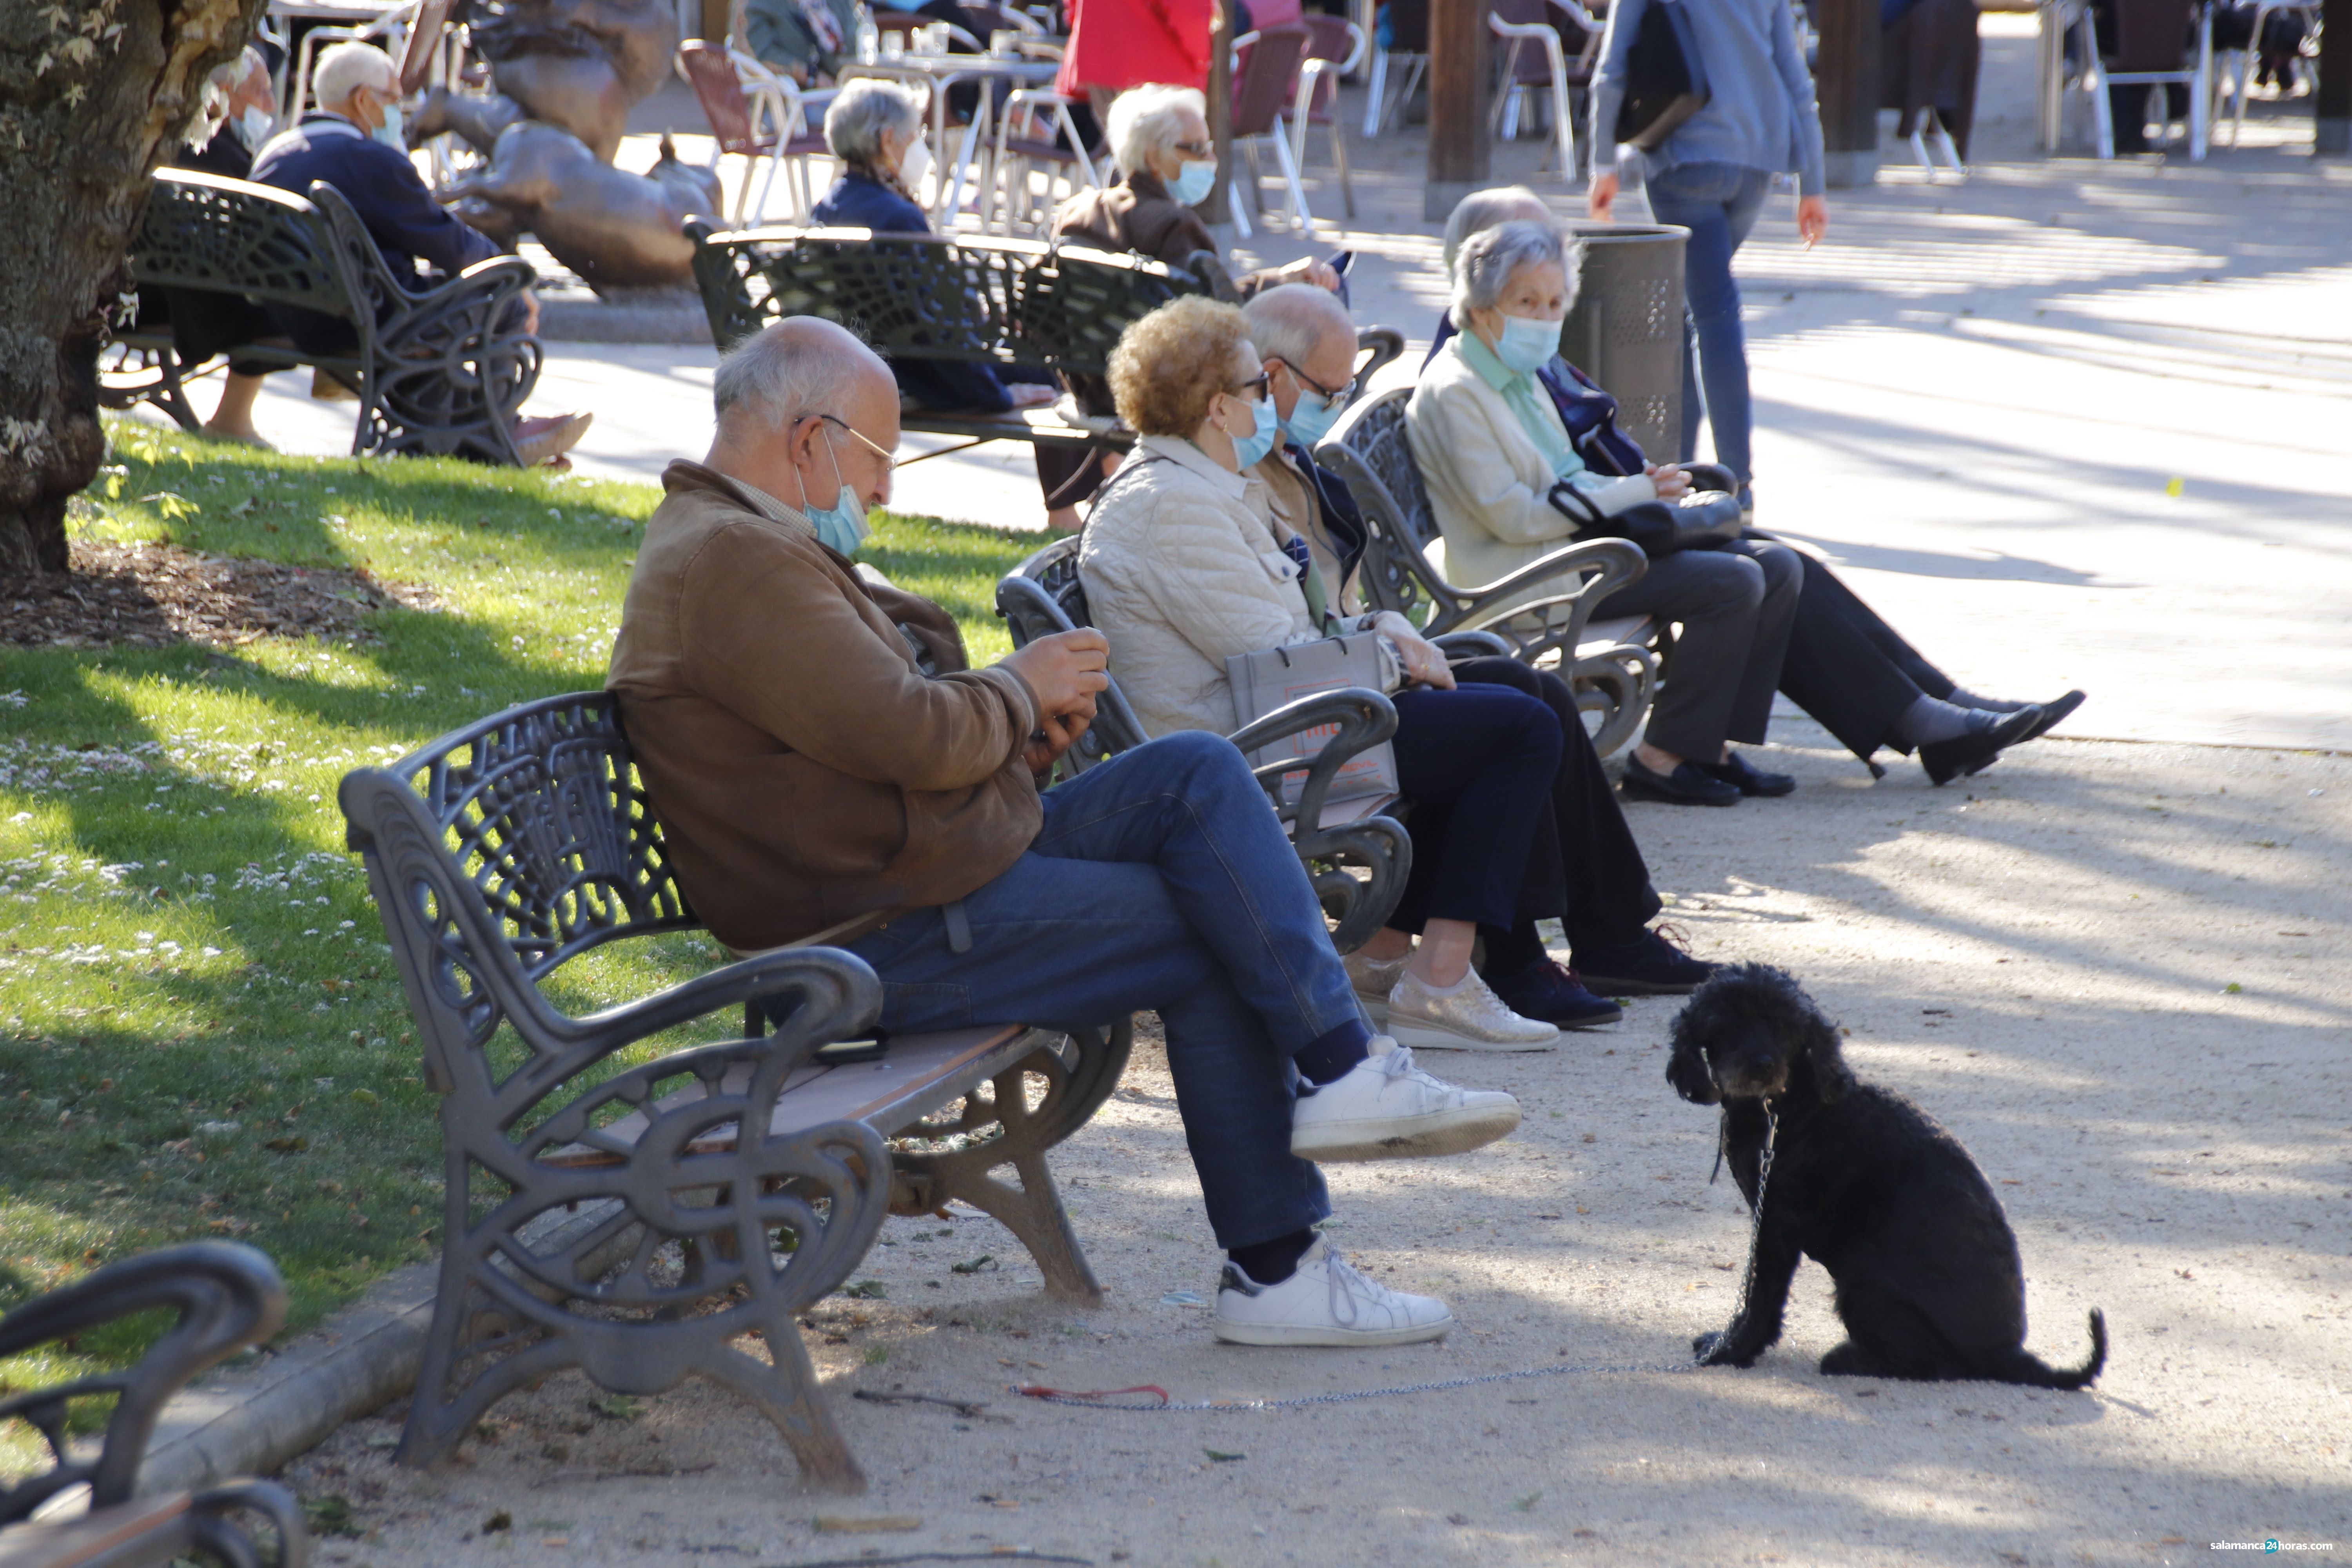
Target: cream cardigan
(1486, 478)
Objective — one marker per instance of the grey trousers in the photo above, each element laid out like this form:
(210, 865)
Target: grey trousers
(1736, 605)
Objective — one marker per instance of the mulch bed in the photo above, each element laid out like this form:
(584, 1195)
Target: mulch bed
(146, 595)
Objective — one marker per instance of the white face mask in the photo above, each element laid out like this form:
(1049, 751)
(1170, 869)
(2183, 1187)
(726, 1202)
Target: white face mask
(914, 163)
(253, 128)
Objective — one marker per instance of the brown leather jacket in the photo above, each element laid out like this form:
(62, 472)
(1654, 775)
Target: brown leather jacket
(1137, 214)
(805, 769)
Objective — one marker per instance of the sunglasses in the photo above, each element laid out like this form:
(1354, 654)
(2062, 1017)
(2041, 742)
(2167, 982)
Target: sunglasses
(1255, 386)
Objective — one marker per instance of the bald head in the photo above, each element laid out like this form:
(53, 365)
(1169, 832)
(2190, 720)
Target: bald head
(1483, 210)
(779, 394)
(1304, 338)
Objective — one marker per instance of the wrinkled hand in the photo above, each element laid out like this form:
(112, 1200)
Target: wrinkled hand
(1065, 670)
(1032, 394)
(1813, 219)
(529, 313)
(1057, 735)
(1600, 196)
(1672, 481)
(1424, 660)
(1308, 271)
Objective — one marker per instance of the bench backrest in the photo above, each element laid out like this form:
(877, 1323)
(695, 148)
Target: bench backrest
(498, 853)
(1043, 596)
(1370, 451)
(206, 232)
(999, 301)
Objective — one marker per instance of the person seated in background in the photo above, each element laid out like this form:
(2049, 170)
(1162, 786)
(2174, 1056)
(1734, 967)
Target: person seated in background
(1186, 565)
(1583, 858)
(1837, 658)
(1159, 136)
(814, 781)
(807, 40)
(239, 106)
(352, 143)
(875, 129)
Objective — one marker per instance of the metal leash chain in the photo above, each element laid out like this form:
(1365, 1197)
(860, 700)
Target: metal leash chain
(1746, 1287)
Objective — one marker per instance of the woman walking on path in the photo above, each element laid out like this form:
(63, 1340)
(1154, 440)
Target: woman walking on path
(1710, 176)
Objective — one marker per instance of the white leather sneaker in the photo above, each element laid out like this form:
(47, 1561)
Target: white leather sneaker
(1324, 1303)
(1470, 1017)
(1373, 979)
(1387, 1109)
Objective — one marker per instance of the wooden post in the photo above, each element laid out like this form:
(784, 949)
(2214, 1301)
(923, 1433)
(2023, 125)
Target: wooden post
(1218, 208)
(2333, 133)
(1461, 149)
(1847, 83)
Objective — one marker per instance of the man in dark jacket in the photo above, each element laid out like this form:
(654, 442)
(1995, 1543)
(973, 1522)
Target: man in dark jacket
(352, 143)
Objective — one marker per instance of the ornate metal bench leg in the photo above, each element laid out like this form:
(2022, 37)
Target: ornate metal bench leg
(440, 1415)
(1035, 1216)
(787, 1394)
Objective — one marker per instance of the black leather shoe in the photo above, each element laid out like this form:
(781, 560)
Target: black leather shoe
(1748, 780)
(1686, 785)
(2051, 713)
(1948, 760)
(1650, 966)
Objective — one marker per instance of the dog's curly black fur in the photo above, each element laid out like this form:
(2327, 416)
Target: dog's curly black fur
(1866, 1185)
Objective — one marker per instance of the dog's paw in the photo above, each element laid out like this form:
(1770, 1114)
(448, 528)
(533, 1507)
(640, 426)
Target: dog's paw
(1712, 1349)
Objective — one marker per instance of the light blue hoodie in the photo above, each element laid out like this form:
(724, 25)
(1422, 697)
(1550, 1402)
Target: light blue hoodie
(1760, 112)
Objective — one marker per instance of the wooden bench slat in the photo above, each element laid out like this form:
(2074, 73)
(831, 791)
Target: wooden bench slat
(919, 1074)
(152, 1525)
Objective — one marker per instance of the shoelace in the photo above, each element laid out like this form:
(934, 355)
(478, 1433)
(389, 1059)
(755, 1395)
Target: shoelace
(1348, 1290)
(1398, 1064)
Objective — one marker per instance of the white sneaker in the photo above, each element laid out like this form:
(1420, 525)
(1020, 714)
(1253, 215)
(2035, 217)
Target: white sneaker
(1324, 1303)
(1373, 979)
(1387, 1109)
(1470, 1017)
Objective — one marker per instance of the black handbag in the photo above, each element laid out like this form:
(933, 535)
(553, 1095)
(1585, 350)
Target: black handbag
(1665, 83)
(1699, 520)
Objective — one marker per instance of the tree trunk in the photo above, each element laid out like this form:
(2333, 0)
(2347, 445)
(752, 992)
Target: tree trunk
(93, 95)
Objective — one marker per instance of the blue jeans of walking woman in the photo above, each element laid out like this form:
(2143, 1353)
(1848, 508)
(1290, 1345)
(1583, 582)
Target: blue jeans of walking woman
(1718, 202)
(1161, 880)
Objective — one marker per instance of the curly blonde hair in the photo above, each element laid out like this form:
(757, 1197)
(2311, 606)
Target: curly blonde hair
(1170, 367)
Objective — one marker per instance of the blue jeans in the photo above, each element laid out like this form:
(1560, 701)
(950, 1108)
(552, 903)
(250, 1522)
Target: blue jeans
(1161, 880)
(1718, 203)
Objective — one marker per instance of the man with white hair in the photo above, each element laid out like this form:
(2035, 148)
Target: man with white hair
(352, 141)
(826, 765)
(1584, 867)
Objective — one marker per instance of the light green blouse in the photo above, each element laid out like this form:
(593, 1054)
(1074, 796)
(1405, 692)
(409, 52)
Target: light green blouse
(1529, 400)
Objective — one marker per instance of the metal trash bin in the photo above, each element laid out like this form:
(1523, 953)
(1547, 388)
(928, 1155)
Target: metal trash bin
(1626, 331)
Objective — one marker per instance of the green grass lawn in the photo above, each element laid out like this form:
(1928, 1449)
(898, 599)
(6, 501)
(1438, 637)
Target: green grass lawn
(200, 1033)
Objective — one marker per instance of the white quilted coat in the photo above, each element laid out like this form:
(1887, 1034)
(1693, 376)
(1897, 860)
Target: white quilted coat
(1181, 568)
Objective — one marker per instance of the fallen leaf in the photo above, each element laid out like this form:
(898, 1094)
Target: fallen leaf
(1221, 1457)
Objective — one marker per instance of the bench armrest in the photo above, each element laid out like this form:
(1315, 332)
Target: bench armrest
(1360, 719)
(1459, 645)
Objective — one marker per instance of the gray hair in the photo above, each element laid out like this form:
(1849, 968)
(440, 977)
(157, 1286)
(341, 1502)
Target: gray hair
(1482, 210)
(864, 111)
(220, 85)
(1145, 119)
(1290, 322)
(780, 382)
(1484, 266)
(347, 67)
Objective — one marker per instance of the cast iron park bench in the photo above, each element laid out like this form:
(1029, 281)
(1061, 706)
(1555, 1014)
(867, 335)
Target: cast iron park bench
(630, 1213)
(439, 373)
(225, 1298)
(1003, 302)
(1336, 842)
(1610, 664)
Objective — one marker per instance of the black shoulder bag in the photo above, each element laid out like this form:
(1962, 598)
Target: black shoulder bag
(1700, 520)
(1665, 83)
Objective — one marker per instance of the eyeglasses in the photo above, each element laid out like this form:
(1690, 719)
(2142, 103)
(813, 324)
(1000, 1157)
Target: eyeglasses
(1332, 397)
(1196, 149)
(1255, 386)
(889, 463)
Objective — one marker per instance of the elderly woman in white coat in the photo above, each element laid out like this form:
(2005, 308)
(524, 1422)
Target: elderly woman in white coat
(1491, 446)
(1186, 565)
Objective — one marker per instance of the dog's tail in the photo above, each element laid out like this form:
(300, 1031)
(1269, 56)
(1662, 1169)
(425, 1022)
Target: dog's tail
(2034, 1373)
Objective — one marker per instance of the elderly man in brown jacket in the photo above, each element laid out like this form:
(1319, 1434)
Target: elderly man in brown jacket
(828, 765)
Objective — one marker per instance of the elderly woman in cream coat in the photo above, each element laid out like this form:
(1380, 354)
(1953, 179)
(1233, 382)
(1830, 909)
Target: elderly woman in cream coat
(1186, 565)
(1491, 446)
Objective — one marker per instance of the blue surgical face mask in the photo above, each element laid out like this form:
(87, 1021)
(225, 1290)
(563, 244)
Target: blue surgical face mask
(1251, 449)
(1194, 181)
(1311, 417)
(842, 525)
(389, 131)
(1528, 344)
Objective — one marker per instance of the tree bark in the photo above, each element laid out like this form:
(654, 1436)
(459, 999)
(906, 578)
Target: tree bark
(93, 95)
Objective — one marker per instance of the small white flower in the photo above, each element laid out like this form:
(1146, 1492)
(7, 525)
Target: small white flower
(348, 924)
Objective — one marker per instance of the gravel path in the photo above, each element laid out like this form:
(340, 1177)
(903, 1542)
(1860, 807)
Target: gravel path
(2116, 972)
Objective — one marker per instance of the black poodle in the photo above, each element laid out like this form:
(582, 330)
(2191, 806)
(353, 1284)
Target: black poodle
(1865, 1183)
